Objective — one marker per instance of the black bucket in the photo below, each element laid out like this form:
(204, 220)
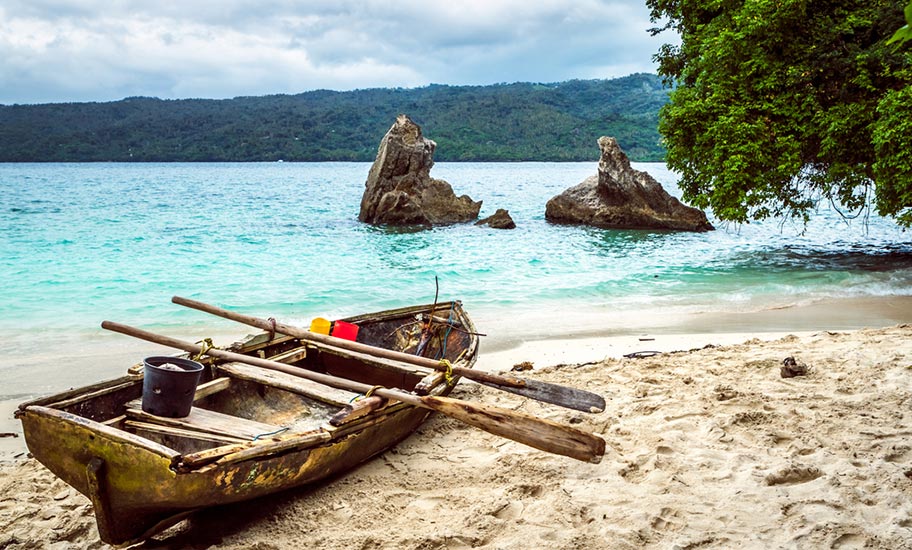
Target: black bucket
(169, 384)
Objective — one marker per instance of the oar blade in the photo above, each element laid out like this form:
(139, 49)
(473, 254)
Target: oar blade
(536, 432)
(563, 396)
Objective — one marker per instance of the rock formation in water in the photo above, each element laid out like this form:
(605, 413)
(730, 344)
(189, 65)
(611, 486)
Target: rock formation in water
(500, 220)
(399, 189)
(620, 197)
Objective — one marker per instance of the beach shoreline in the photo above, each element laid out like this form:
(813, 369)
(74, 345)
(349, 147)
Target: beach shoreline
(538, 339)
(613, 338)
(819, 460)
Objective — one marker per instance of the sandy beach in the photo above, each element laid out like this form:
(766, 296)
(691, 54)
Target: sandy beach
(708, 447)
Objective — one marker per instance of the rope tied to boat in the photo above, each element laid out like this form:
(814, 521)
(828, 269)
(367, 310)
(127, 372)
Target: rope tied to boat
(446, 336)
(205, 345)
(280, 430)
(448, 375)
(366, 394)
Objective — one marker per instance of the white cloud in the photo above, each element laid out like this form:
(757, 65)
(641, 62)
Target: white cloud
(55, 50)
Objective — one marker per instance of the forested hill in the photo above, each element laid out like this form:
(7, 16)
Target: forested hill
(505, 122)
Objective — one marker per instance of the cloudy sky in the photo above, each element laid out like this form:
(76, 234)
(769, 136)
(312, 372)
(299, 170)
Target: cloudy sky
(103, 50)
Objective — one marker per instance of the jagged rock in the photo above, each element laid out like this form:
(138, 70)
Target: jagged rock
(500, 220)
(620, 197)
(399, 189)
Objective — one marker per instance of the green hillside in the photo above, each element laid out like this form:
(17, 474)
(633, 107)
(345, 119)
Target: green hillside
(504, 122)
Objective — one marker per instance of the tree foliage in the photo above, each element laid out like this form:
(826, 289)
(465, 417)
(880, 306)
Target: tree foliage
(904, 33)
(780, 103)
(507, 122)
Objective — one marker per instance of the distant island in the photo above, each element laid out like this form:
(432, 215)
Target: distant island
(501, 122)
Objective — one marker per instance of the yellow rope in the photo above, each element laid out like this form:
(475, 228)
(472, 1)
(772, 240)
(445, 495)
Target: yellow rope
(448, 375)
(205, 345)
(367, 394)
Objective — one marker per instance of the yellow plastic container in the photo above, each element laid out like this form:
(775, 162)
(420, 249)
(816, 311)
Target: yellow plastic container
(321, 326)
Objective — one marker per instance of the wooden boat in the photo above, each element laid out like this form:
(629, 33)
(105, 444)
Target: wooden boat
(251, 431)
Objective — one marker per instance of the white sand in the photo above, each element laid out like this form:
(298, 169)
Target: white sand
(706, 449)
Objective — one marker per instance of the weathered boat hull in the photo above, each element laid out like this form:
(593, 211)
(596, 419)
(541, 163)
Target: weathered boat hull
(136, 488)
(139, 486)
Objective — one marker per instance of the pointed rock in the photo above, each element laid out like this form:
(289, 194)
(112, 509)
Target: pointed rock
(620, 197)
(399, 189)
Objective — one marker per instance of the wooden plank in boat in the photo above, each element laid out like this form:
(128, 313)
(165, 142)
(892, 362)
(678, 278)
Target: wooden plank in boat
(289, 382)
(255, 449)
(357, 409)
(310, 439)
(291, 356)
(256, 342)
(213, 386)
(179, 432)
(429, 382)
(202, 391)
(115, 421)
(77, 395)
(207, 421)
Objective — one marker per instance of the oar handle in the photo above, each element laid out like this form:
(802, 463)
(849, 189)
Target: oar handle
(535, 432)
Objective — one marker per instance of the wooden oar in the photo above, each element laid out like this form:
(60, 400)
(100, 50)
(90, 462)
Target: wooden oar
(536, 432)
(564, 396)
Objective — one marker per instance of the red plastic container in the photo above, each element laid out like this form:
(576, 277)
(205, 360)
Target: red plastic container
(346, 331)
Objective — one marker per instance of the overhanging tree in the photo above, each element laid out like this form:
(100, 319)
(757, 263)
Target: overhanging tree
(780, 103)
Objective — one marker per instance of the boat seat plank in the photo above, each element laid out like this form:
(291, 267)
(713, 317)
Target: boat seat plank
(138, 426)
(289, 382)
(210, 388)
(206, 421)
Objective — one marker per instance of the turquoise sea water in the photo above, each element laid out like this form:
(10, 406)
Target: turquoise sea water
(86, 242)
